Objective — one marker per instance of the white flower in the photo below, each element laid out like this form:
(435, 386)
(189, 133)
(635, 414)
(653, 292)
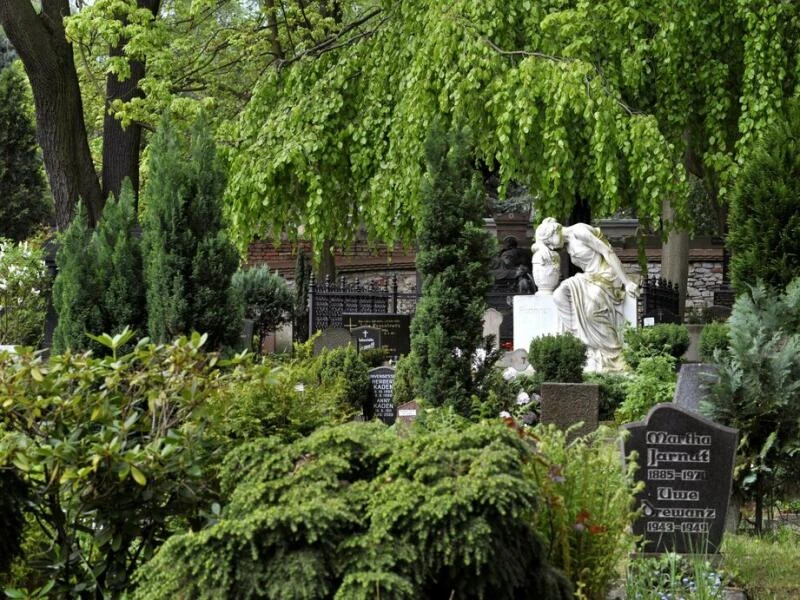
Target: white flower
(505, 414)
(523, 398)
(510, 373)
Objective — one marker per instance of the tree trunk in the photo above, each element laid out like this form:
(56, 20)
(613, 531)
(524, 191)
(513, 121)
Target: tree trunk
(47, 56)
(675, 257)
(327, 263)
(121, 145)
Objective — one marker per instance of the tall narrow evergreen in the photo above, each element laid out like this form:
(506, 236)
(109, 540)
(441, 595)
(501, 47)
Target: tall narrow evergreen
(76, 291)
(454, 256)
(188, 258)
(23, 204)
(118, 265)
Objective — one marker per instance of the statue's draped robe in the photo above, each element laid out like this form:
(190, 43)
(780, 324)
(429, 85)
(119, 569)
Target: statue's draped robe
(590, 303)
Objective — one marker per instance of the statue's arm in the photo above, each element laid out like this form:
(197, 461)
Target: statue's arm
(602, 247)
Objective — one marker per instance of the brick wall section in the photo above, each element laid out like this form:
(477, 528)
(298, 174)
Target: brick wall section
(377, 263)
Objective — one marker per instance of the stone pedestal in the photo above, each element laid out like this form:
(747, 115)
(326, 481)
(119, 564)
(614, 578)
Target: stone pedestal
(534, 316)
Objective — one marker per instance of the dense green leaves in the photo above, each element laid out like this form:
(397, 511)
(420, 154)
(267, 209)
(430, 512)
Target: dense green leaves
(112, 451)
(358, 511)
(266, 298)
(24, 286)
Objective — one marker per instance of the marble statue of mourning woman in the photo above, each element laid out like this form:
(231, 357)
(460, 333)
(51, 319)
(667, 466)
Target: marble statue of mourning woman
(589, 304)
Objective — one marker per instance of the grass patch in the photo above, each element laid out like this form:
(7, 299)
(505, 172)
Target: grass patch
(767, 567)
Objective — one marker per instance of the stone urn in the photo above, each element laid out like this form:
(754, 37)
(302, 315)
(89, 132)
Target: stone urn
(546, 270)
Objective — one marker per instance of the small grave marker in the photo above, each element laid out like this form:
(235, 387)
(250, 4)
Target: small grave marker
(366, 338)
(381, 381)
(686, 464)
(407, 412)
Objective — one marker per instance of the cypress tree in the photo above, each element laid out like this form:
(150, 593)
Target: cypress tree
(189, 260)
(454, 257)
(118, 265)
(764, 221)
(23, 204)
(76, 291)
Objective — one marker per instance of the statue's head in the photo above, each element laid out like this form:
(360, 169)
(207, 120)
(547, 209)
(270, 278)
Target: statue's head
(549, 234)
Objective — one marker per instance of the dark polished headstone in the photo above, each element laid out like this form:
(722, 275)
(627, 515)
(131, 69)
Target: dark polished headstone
(686, 464)
(381, 394)
(694, 381)
(395, 329)
(335, 337)
(366, 338)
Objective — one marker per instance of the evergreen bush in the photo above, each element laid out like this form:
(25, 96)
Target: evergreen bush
(713, 339)
(24, 204)
(360, 511)
(759, 391)
(558, 358)
(345, 364)
(665, 338)
(763, 220)
(117, 254)
(454, 257)
(612, 389)
(188, 258)
(76, 291)
(404, 379)
(265, 298)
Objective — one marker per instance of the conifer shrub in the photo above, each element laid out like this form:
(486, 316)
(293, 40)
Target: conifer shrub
(188, 258)
(763, 220)
(265, 298)
(99, 286)
(668, 339)
(359, 511)
(76, 290)
(759, 391)
(558, 358)
(345, 365)
(24, 205)
(454, 257)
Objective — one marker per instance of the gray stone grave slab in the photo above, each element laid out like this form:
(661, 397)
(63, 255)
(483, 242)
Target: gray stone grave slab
(381, 394)
(686, 464)
(407, 412)
(518, 359)
(366, 338)
(565, 404)
(694, 379)
(335, 337)
(492, 319)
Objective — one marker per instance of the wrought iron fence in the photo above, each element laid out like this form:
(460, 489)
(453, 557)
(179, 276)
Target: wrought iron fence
(327, 301)
(660, 301)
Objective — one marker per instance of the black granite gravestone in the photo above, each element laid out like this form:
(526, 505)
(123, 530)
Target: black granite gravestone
(395, 329)
(686, 464)
(366, 338)
(381, 394)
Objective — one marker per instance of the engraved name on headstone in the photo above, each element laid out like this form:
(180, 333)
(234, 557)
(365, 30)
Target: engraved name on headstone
(381, 394)
(686, 464)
